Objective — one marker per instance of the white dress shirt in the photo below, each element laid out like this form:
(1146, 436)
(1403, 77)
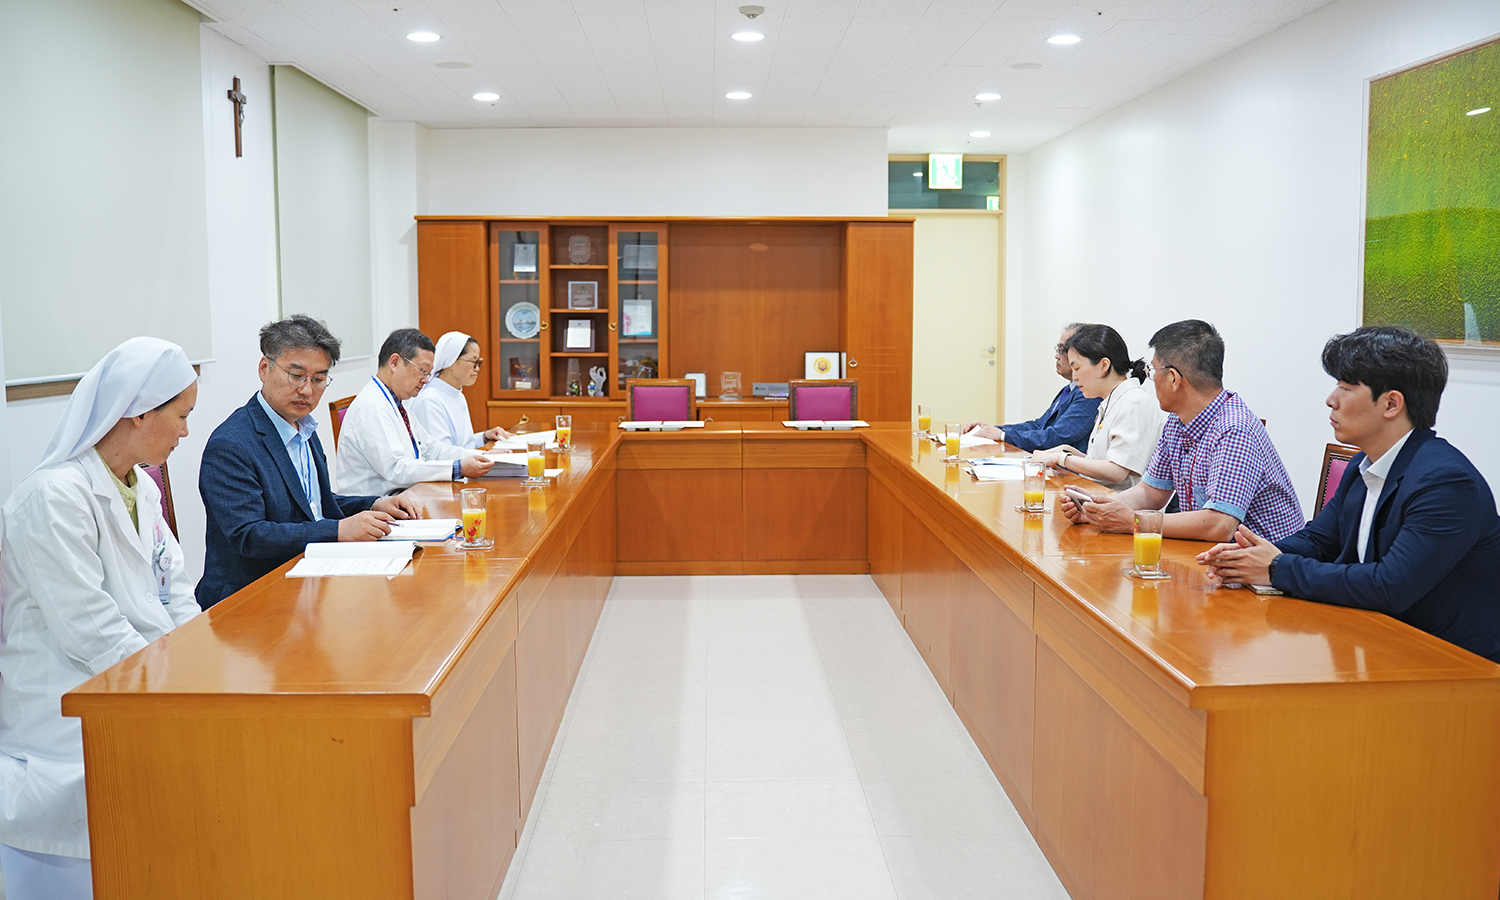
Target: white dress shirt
(444, 413)
(1126, 429)
(1374, 474)
(376, 455)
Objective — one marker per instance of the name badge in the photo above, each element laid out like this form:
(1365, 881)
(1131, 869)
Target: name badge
(161, 567)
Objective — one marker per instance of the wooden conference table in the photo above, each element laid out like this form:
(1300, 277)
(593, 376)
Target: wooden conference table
(383, 738)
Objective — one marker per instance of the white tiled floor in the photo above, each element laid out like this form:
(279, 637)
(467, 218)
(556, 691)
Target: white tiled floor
(766, 737)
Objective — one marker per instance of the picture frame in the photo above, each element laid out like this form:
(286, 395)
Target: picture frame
(523, 259)
(635, 318)
(579, 336)
(583, 295)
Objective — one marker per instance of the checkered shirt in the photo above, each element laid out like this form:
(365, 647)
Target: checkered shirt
(1223, 460)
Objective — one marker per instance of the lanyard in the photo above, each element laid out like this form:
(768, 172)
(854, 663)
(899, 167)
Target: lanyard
(391, 399)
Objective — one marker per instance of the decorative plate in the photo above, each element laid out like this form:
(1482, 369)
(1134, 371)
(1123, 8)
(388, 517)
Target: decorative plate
(524, 320)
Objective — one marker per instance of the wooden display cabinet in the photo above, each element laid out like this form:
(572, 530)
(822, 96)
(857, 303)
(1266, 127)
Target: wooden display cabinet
(519, 298)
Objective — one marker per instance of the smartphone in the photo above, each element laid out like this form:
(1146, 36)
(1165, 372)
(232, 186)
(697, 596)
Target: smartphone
(1265, 590)
(1078, 494)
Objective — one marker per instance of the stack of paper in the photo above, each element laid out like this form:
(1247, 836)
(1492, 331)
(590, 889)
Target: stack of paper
(826, 424)
(386, 558)
(659, 426)
(507, 465)
(998, 472)
(520, 441)
(966, 441)
(425, 530)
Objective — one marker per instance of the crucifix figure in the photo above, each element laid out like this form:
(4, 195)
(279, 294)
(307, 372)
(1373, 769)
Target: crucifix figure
(239, 100)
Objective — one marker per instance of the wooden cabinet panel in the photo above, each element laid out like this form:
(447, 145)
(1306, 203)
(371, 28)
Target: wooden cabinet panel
(1114, 817)
(453, 288)
(884, 541)
(804, 513)
(927, 583)
(741, 410)
(543, 676)
(877, 317)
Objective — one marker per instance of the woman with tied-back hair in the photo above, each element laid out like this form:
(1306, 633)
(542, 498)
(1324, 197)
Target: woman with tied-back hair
(1128, 422)
(89, 574)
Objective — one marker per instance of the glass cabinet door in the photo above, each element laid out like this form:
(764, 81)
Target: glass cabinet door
(519, 312)
(640, 317)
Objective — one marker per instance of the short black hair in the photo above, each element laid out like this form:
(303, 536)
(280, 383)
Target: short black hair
(405, 341)
(1389, 358)
(298, 332)
(1192, 347)
(1096, 342)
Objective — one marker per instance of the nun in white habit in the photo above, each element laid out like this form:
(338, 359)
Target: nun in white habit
(89, 574)
(440, 406)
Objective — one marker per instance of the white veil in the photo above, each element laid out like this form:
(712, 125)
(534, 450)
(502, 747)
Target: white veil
(449, 348)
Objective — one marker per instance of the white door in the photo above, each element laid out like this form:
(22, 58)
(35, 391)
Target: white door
(957, 311)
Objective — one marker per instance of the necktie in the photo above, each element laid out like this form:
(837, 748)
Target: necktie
(407, 421)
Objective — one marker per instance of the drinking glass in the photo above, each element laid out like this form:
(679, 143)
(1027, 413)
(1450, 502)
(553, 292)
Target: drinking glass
(1034, 476)
(924, 419)
(565, 432)
(473, 505)
(1148, 545)
(951, 431)
(536, 461)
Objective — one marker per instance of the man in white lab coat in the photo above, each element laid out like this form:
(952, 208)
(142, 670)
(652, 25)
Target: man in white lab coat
(382, 447)
(89, 574)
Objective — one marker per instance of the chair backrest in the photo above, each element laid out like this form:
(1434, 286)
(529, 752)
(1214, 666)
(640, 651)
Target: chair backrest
(828, 398)
(164, 484)
(661, 399)
(1335, 459)
(337, 410)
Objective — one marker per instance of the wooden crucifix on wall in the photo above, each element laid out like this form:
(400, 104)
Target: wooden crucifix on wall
(239, 100)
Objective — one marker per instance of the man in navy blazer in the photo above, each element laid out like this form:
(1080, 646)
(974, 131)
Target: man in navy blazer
(264, 478)
(1412, 530)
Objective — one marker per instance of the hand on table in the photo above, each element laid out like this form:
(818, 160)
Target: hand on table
(1245, 560)
(366, 526)
(498, 434)
(1050, 457)
(1110, 515)
(401, 506)
(979, 429)
(476, 466)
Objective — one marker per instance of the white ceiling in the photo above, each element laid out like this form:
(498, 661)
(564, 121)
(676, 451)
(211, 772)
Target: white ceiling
(907, 65)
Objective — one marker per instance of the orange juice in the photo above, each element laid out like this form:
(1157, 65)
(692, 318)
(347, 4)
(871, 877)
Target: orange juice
(1147, 551)
(953, 445)
(924, 423)
(1035, 498)
(536, 466)
(565, 437)
(474, 525)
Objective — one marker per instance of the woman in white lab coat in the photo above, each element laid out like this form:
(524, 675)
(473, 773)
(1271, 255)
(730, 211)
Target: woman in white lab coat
(89, 574)
(440, 406)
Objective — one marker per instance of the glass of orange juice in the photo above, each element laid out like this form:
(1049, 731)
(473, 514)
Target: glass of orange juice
(565, 432)
(536, 461)
(473, 505)
(1034, 486)
(951, 431)
(924, 419)
(1148, 545)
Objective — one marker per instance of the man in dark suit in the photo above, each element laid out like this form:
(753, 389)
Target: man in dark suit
(1068, 420)
(1412, 530)
(264, 478)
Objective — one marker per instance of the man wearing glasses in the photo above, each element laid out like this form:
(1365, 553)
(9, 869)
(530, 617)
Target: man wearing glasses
(381, 446)
(1213, 453)
(264, 477)
(1068, 420)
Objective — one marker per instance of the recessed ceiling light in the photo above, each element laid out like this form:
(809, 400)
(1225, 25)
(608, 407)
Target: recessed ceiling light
(486, 97)
(423, 37)
(748, 36)
(985, 98)
(453, 64)
(738, 95)
(1026, 67)
(979, 134)
(1478, 112)
(1064, 39)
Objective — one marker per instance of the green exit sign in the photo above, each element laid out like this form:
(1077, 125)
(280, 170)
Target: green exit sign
(945, 171)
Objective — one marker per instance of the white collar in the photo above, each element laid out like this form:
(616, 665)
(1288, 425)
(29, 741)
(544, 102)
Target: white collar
(1381, 467)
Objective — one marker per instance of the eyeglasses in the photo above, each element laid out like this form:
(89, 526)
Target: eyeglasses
(425, 373)
(298, 379)
(1152, 369)
(477, 362)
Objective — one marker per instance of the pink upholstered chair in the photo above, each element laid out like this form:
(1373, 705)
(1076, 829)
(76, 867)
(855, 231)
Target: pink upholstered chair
(1335, 459)
(337, 409)
(831, 398)
(661, 399)
(164, 484)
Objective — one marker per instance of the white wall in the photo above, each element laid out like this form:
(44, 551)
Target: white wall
(657, 172)
(1234, 194)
